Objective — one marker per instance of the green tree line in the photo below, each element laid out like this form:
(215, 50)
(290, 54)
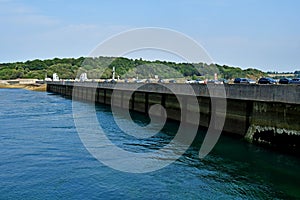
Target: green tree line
(101, 67)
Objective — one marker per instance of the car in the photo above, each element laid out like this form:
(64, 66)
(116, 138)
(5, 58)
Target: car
(266, 81)
(161, 81)
(199, 81)
(148, 81)
(172, 81)
(217, 82)
(295, 81)
(251, 81)
(225, 81)
(244, 81)
(190, 81)
(285, 80)
(138, 81)
(237, 80)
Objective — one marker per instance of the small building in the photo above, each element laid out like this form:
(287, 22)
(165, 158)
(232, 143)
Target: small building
(83, 77)
(55, 77)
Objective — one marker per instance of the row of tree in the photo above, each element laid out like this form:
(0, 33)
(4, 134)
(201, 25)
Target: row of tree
(101, 67)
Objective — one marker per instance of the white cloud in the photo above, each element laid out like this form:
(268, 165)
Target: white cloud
(30, 20)
(15, 14)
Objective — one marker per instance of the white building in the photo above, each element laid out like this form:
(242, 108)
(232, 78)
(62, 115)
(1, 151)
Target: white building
(83, 77)
(55, 77)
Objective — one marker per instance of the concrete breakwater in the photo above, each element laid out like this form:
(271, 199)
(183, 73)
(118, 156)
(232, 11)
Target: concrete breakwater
(264, 114)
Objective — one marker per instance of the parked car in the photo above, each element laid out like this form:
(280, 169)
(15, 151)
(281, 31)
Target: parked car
(148, 81)
(295, 81)
(172, 81)
(285, 80)
(199, 81)
(217, 82)
(225, 81)
(244, 81)
(251, 81)
(161, 81)
(190, 81)
(237, 80)
(266, 81)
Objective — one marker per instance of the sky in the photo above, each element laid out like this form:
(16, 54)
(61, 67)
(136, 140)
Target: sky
(247, 34)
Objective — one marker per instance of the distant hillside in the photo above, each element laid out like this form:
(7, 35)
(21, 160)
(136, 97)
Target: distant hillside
(101, 67)
(278, 75)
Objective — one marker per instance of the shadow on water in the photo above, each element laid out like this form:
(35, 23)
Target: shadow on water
(244, 163)
(247, 170)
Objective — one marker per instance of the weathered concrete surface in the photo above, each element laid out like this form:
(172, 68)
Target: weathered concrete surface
(266, 93)
(265, 114)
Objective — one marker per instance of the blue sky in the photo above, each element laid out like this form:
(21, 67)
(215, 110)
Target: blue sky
(248, 33)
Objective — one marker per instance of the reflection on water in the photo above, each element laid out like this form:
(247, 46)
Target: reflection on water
(42, 157)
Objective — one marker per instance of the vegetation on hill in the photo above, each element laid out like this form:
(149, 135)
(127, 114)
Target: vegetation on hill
(279, 75)
(101, 67)
(66, 68)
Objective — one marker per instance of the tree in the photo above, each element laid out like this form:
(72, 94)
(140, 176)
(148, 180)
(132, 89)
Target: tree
(101, 67)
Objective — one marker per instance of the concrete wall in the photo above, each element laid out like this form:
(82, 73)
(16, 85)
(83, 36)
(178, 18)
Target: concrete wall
(266, 93)
(264, 114)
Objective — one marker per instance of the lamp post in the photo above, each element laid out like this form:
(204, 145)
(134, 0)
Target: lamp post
(113, 73)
